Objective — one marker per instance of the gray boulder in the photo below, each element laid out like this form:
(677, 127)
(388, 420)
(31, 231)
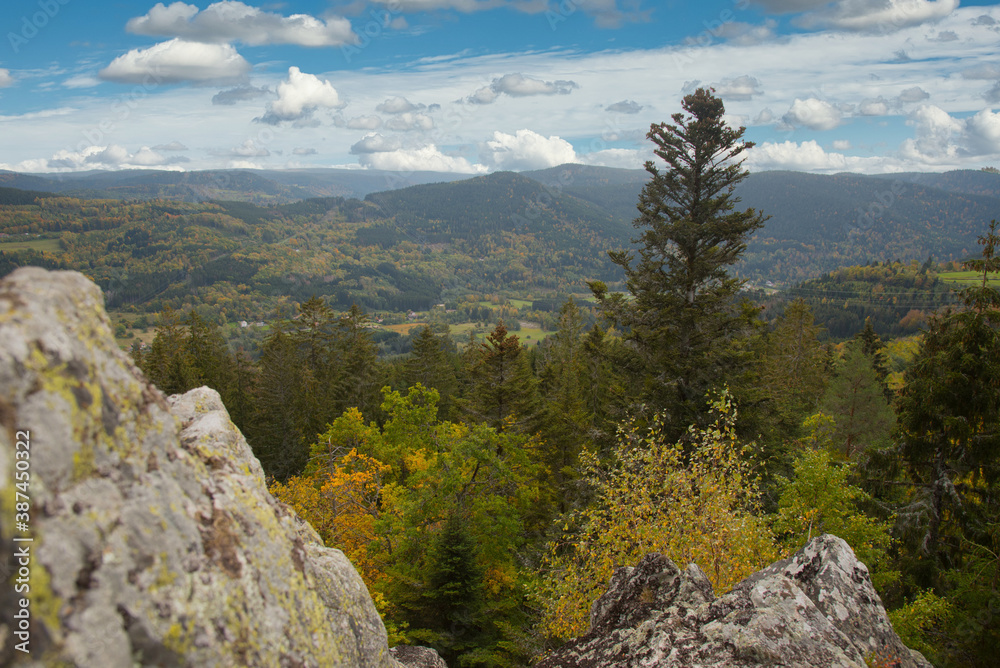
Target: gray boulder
(817, 608)
(156, 541)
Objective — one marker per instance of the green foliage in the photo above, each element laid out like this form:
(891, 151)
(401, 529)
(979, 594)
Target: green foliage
(819, 499)
(919, 622)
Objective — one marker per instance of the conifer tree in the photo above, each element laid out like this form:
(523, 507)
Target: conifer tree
(431, 366)
(503, 394)
(685, 319)
(854, 399)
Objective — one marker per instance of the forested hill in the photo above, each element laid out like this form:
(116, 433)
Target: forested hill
(405, 247)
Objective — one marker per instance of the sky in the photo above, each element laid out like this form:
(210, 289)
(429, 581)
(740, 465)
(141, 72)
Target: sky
(475, 86)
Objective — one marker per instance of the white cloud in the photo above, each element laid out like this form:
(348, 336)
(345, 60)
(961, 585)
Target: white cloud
(606, 13)
(841, 144)
(526, 149)
(884, 16)
(361, 123)
(983, 133)
(406, 122)
(518, 85)
(172, 146)
(428, 158)
(81, 81)
(398, 105)
(239, 94)
(113, 156)
(747, 34)
(230, 21)
(984, 71)
(911, 95)
(874, 106)
(937, 136)
(375, 143)
(178, 61)
(624, 107)
(299, 96)
(623, 158)
(862, 15)
(303, 151)
(813, 114)
(738, 88)
(808, 156)
(5, 78)
(248, 149)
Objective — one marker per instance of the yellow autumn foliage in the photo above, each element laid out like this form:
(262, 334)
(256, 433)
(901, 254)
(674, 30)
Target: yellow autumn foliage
(693, 503)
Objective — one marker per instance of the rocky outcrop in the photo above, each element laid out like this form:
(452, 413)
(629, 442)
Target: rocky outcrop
(156, 541)
(817, 608)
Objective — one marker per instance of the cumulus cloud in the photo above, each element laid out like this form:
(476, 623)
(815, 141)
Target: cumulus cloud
(518, 85)
(239, 94)
(874, 106)
(911, 95)
(841, 144)
(172, 146)
(113, 156)
(937, 136)
(861, 15)
(809, 156)
(526, 149)
(428, 158)
(248, 149)
(398, 105)
(739, 88)
(764, 117)
(375, 143)
(407, 121)
(230, 21)
(624, 107)
(813, 114)
(177, 61)
(299, 96)
(984, 20)
(5, 78)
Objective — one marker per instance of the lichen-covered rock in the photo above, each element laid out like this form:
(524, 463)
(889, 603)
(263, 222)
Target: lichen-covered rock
(817, 608)
(417, 657)
(156, 541)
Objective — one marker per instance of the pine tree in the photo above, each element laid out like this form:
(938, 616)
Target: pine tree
(431, 366)
(685, 318)
(855, 401)
(167, 363)
(503, 394)
(872, 346)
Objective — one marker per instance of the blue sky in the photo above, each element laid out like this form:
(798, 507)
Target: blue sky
(481, 85)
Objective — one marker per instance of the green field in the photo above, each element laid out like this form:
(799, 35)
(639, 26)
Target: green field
(50, 245)
(967, 278)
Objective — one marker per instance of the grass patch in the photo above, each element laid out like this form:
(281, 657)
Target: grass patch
(967, 278)
(404, 328)
(43, 245)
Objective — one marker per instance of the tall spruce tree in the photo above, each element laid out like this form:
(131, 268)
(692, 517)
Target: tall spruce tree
(685, 319)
